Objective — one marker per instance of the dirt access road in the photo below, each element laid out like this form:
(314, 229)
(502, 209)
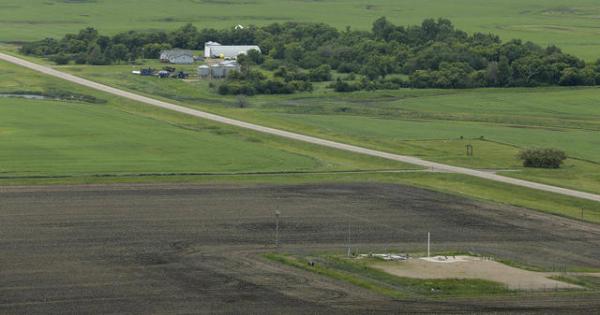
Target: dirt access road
(175, 249)
(296, 136)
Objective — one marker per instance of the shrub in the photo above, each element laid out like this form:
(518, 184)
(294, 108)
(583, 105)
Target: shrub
(60, 59)
(236, 88)
(320, 74)
(344, 86)
(348, 67)
(542, 158)
(80, 59)
(272, 64)
(256, 57)
(67, 95)
(301, 86)
(242, 101)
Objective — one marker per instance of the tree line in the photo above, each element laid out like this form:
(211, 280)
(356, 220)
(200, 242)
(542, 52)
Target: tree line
(433, 54)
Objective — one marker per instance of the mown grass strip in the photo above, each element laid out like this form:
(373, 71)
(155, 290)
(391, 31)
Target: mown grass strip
(588, 282)
(360, 274)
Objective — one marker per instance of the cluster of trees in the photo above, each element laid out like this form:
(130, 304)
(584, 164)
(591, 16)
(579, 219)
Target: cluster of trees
(286, 79)
(251, 82)
(542, 158)
(89, 47)
(319, 74)
(350, 84)
(433, 54)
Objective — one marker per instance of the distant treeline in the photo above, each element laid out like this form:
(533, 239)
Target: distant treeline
(431, 55)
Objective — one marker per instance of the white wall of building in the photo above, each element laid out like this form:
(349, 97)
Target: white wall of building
(182, 60)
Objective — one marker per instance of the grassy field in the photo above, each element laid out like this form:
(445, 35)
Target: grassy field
(64, 138)
(571, 25)
(433, 124)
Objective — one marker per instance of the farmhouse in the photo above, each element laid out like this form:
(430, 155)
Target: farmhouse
(216, 50)
(177, 56)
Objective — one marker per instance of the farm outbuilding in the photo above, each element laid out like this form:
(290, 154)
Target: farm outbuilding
(231, 66)
(177, 56)
(218, 70)
(216, 50)
(204, 71)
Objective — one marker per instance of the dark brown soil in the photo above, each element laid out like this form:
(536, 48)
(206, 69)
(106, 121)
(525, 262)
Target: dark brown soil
(196, 249)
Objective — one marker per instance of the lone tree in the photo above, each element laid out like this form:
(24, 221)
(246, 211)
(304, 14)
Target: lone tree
(242, 101)
(542, 158)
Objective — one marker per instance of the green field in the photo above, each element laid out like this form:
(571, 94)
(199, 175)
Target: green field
(571, 25)
(425, 123)
(67, 138)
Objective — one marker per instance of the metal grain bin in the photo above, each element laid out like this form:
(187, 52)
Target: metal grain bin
(218, 71)
(230, 68)
(203, 71)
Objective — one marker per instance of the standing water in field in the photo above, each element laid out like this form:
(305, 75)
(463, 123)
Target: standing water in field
(27, 96)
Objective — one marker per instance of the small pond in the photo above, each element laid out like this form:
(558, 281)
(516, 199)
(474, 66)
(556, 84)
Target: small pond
(27, 96)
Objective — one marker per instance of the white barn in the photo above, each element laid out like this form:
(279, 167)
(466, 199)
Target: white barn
(177, 56)
(214, 49)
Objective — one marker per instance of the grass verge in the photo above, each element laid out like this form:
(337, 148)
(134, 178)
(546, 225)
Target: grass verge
(359, 274)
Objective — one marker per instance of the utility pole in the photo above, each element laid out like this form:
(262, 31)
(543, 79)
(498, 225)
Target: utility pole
(277, 213)
(428, 244)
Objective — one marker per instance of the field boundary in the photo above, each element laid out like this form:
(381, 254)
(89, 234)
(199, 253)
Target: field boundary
(296, 136)
(151, 174)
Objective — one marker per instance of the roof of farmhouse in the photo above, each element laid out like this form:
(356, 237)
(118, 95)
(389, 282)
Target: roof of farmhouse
(231, 50)
(173, 53)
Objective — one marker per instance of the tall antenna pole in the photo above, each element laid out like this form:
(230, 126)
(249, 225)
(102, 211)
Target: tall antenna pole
(428, 244)
(277, 213)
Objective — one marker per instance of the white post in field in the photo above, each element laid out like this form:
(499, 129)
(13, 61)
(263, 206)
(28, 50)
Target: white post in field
(428, 244)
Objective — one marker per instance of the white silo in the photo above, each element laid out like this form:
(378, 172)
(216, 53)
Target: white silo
(218, 71)
(204, 71)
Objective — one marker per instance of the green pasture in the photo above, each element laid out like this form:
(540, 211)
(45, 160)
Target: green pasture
(433, 124)
(68, 138)
(572, 25)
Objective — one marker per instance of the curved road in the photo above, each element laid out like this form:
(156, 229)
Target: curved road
(297, 136)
